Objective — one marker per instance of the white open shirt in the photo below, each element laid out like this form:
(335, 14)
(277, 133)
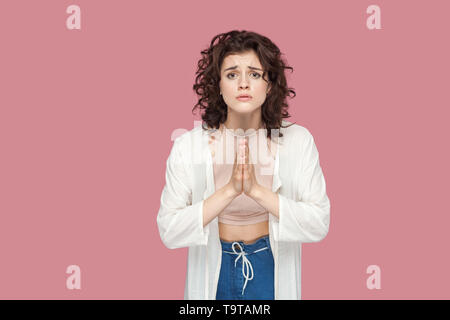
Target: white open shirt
(304, 209)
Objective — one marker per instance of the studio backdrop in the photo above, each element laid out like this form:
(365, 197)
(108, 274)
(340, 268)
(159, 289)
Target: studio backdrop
(94, 93)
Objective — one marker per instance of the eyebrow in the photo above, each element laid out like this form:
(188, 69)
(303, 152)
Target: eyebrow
(234, 67)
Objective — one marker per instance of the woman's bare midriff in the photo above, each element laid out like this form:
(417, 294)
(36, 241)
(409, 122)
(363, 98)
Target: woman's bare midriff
(247, 233)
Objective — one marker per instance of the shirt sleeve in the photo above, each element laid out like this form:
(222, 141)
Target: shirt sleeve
(306, 220)
(180, 223)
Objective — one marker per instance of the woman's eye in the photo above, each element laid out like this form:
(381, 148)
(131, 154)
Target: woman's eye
(256, 74)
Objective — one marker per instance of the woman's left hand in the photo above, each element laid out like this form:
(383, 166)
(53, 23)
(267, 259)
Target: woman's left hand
(249, 183)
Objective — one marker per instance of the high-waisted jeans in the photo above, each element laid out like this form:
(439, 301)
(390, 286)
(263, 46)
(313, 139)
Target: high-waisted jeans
(247, 271)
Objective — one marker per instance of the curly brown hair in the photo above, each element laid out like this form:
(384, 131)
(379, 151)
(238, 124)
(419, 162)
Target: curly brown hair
(274, 108)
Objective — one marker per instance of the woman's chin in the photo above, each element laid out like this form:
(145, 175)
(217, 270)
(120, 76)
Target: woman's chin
(244, 108)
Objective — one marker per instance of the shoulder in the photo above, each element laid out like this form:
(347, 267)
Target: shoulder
(187, 144)
(187, 137)
(295, 133)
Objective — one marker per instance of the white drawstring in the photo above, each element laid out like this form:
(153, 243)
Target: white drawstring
(245, 262)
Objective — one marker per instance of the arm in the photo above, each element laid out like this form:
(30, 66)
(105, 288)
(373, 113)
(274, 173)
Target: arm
(180, 223)
(266, 198)
(306, 220)
(217, 202)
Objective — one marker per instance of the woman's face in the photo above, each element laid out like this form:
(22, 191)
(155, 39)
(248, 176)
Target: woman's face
(242, 74)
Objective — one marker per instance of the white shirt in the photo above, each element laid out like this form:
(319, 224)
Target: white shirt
(304, 210)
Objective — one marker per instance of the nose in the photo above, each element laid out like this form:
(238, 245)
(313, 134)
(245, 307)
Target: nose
(243, 84)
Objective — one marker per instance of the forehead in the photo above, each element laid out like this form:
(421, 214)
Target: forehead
(241, 59)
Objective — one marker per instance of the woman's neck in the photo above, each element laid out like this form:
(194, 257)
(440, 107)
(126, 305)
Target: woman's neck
(242, 128)
(244, 121)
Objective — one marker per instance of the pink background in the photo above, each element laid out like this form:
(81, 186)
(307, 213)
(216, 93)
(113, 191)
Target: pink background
(86, 118)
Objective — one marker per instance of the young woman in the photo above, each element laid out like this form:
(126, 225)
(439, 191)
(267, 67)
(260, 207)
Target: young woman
(245, 189)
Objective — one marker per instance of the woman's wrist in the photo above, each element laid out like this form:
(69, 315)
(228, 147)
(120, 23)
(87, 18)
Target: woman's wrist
(229, 191)
(266, 198)
(255, 193)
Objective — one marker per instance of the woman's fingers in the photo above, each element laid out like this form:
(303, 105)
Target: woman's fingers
(237, 165)
(247, 153)
(242, 151)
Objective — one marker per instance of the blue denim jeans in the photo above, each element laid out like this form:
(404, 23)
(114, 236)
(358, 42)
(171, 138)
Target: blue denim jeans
(247, 271)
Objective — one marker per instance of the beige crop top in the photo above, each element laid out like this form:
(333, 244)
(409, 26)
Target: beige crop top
(242, 210)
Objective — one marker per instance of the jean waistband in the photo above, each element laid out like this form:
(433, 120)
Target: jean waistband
(241, 250)
(249, 248)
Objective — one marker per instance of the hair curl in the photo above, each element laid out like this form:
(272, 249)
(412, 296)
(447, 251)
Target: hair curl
(274, 108)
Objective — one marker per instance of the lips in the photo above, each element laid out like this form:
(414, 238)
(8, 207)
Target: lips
(244, 97)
